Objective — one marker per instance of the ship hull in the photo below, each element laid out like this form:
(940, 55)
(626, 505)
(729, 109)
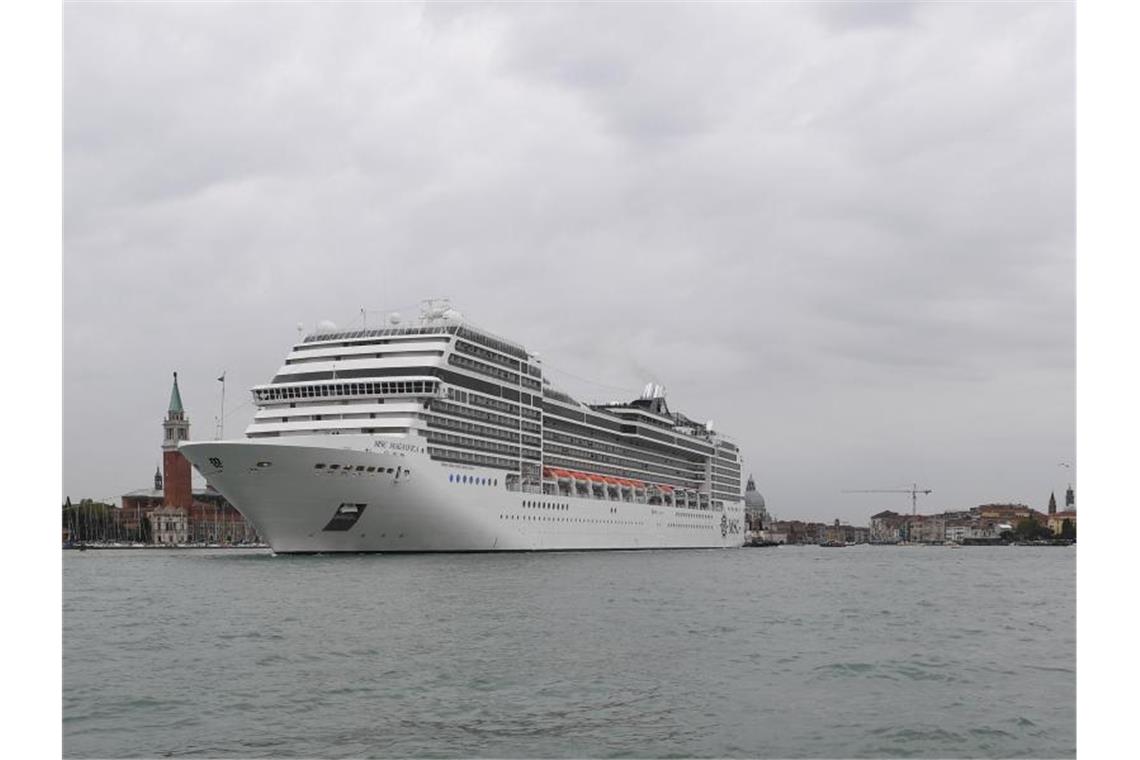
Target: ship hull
(390, 496)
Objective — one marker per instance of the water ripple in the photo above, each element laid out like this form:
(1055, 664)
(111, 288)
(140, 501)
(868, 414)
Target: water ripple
(604, 655)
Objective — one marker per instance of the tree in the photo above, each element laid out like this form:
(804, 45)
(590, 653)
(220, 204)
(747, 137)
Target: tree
(89, 520)
(1068, 529)
(1028, 529)
(145, 535)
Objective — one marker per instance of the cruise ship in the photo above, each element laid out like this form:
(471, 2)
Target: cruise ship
(435, 435)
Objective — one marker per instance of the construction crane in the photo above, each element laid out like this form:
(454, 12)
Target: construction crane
(914, 491)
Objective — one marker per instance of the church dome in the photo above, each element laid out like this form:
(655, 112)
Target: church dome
(753, 500)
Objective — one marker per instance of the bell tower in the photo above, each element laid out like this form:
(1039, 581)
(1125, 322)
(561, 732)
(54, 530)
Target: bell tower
(175, 467)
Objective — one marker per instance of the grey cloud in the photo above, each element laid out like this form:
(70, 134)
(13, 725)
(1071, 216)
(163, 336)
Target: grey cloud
(805, 228)
(868, 14)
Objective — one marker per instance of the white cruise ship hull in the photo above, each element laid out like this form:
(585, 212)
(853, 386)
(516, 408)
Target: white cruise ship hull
(411, 503)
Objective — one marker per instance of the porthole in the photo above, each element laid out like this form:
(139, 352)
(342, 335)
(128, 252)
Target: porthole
(319, 466)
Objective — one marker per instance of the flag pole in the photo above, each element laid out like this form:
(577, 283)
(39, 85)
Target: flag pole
(222, 413)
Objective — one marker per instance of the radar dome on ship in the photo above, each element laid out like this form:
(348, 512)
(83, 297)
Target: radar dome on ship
(452, 314)
(326, 324)
(394, 318)
(434, 308)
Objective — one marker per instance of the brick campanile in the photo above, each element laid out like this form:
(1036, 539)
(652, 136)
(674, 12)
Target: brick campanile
(175, 467)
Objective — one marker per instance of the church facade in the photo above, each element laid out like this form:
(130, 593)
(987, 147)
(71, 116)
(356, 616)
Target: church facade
(175, 511)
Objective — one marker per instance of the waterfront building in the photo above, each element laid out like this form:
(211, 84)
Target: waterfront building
(755, 510)
(168, 525)
(833, 533)
(1009, 513)
(135, 506)
(769, 535)
(927, 529)
(206, 516)
(843, 533)
(1056, 521)
(800, 532)
(957, 532)
(210, 519)
(986, 522)
(888, 527)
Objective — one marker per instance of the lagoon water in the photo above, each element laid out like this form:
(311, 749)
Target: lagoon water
(793, 652)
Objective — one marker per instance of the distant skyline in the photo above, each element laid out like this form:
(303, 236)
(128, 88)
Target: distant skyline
(844, 232)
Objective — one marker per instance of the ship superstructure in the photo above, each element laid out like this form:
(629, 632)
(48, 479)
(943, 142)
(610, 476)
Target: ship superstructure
(440, 436)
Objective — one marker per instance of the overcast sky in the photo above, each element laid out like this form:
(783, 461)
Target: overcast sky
(843, 232)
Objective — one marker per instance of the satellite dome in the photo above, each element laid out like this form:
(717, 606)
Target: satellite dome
(394, 318)
(452, 314)
(326, 324)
